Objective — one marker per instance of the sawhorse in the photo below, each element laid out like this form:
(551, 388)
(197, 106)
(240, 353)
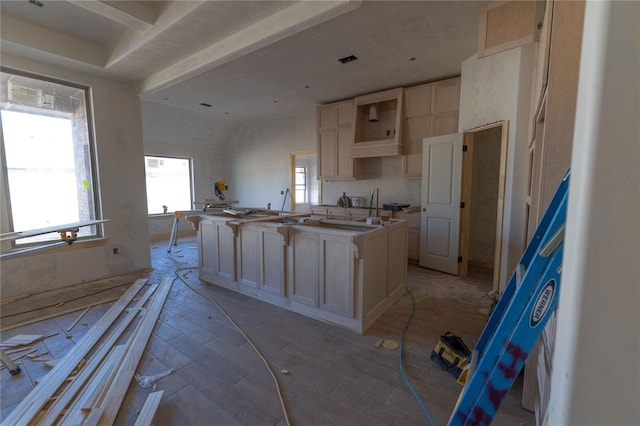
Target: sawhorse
(173, 239)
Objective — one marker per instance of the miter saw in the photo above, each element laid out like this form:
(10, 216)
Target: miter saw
(219, 186)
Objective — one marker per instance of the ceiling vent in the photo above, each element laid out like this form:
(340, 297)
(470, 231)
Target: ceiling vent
(348, 59)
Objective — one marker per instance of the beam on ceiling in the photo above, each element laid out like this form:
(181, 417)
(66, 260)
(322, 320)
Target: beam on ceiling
(134, 15)
(289, 21)
(131, 41)
(34, 38)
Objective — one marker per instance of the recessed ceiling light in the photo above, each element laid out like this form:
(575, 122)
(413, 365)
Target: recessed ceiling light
(275, 102)
(166, 99)
(348, 59)
(226, 113)
(204, 104)
(36, 3)
(307, 86)
(412, 59)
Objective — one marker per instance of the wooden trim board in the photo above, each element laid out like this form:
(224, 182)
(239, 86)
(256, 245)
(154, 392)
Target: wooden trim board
(29, 407)
(135, 349)
(149, 409)
(70, 392)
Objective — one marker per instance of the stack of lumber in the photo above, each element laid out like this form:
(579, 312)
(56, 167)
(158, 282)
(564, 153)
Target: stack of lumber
(88, 385)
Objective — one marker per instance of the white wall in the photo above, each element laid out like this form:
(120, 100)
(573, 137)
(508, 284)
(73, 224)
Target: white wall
(596, 378)
(258, 158)
(494, 88)
(120, 167)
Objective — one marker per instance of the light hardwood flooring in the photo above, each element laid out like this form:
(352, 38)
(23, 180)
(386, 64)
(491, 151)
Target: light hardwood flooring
(335, 376)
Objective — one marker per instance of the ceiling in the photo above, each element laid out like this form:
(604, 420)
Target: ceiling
(247, 59)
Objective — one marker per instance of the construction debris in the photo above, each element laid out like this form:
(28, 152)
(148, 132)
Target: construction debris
(390, 344)
(148, 381)
(103, 371)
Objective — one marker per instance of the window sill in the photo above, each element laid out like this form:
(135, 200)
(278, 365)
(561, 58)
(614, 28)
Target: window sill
(42, 249)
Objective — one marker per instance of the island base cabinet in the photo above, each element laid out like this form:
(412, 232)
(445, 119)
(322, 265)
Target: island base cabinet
(217, 253)
(341, 272)
(262, 263)
(384, 271)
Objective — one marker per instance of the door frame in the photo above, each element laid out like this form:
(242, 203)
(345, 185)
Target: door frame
(465, 195)
(292, 177)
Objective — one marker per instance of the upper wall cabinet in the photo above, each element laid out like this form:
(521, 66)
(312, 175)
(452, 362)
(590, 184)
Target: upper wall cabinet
(505, 25)
(378, 124)
(335, 141)
(429, 110)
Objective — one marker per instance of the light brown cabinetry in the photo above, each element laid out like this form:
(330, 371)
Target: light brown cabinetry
(260, 258)
(335, 140)
(429, 110)
(378, 124)
(413, 242)
(217, 252)
(345, 273)
(506, 25)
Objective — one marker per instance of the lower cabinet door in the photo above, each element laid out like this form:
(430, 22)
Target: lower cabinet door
(336, 275)
(303, 268)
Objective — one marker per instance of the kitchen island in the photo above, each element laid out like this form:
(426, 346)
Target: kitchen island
(347, 273)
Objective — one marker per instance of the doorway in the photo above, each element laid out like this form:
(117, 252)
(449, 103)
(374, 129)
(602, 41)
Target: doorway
(305, 189)
(482, 198)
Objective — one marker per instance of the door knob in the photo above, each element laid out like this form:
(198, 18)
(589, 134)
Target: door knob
(424, 209)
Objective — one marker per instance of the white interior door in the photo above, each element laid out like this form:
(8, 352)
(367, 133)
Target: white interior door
(440, 217)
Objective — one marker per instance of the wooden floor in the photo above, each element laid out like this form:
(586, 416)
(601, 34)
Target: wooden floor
(335, 376)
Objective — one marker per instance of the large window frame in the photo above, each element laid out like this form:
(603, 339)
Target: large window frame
(169, 208)
(55, 102)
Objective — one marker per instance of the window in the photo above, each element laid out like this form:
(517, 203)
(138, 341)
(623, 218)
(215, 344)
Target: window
(47, 155)
(168, 184)
(301, 185)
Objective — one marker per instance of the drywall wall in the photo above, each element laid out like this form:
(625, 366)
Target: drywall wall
(494, 88)
(484, 195)
(257, 155)
(162, 123)
(161, 226)
(120, 169)
(592, 383)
